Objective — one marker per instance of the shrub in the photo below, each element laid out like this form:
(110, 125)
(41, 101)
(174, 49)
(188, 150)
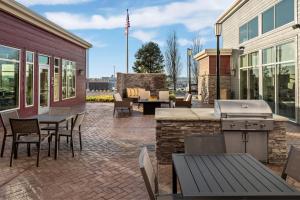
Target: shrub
(100, 98)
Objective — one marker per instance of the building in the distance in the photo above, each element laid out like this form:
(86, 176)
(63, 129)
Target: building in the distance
(41, 64)
(104, 83)
(264, 38)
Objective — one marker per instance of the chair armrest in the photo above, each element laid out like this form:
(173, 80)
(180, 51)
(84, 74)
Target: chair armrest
(123, 104)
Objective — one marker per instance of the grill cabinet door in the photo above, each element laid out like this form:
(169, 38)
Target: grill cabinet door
(234, 141)
(257, 145)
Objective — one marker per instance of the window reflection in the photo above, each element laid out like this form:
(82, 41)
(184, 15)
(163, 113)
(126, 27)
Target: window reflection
(9, 78)
(68, 79)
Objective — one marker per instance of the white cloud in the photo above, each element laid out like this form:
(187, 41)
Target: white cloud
(184, 42)
(51, 2)
(193, 14)
(144, 36)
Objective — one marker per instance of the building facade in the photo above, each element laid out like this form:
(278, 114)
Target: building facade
(41, 64)
(264, 34)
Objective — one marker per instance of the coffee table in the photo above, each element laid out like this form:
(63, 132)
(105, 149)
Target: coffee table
(150, 105)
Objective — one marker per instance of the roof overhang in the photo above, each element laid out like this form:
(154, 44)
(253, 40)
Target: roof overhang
(16, 9)
(231, 10)
(212, 52)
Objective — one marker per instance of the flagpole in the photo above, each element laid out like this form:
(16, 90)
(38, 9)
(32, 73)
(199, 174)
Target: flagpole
(127, 49)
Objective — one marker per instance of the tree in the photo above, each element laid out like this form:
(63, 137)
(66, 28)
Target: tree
(149, 59)
(172, 57)
(196, 48)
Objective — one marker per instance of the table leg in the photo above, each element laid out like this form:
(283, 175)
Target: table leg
(174, 180)
(56, 141)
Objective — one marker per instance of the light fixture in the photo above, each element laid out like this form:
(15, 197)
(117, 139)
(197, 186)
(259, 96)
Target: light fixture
(296, 26)
(242, 48)
(80, 72)
(218, 29)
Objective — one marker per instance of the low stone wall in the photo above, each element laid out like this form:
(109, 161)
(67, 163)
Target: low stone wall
(153, 82)
(277, 146)
(170, 138)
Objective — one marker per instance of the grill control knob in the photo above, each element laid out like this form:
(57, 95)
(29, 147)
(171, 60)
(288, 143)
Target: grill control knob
(262, 125)
(232, 125)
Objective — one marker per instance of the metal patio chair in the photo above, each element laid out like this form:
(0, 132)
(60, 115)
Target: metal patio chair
(202, 144)
(30, 130)
(185, 102)
(122, 104)
(75, 128)
(165, 96)
(4, 117)
(292, 165)
(150, 178)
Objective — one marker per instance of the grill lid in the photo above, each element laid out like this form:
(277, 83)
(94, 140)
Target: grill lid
(242, 108)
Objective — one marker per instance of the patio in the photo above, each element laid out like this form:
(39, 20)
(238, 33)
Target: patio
(107, 168)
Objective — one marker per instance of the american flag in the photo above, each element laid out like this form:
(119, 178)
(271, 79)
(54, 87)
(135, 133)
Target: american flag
(127, 26)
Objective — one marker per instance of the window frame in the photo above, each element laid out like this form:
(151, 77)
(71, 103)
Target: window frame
(59, 77)
(75, 95)
(33, 80)
(247, 26)
(19, 71)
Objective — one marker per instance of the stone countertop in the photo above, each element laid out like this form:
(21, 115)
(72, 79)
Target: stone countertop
(193, 114)
(185, 114)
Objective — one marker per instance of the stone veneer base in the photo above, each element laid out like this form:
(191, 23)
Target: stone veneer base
(170, 138)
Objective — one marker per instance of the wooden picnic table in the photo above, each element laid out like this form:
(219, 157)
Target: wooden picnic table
(227, 176)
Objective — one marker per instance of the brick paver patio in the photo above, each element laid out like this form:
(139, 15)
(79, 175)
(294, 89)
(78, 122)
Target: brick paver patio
(107, 168)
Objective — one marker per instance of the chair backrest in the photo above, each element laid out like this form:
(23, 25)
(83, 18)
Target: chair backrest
(204, 144)
(117, 97)
(140, 90)
(78, 121)
(164, 95)
(188, 97)
(148, 173)
(24, 126)
(292, 166)
(5, 116)
(145, 95)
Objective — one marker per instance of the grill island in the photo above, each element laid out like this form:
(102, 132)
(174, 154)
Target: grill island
(245, 125)
(248, 126)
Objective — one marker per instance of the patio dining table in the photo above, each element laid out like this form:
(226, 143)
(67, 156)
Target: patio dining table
(54, 120)
(227, 176)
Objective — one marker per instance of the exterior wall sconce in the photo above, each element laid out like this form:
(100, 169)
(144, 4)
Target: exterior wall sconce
(233, 72)
(81, 72)
(296, 26)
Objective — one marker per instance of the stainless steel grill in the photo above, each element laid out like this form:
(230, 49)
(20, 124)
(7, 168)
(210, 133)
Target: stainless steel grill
(248, 115)
(245, 125)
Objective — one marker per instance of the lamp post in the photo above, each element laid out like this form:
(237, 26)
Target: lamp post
(189, 55)
(218, 31)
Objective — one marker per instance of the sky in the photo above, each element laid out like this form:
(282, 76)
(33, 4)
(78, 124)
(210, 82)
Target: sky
(102, 23)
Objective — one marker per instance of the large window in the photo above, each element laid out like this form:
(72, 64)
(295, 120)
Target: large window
(29, 79)
(284, 12)
(279, 79)
(268, 20)
(68, 79)
(249, 76)
(56, 78)
(9, 78)
(249, 30)
(278, 15)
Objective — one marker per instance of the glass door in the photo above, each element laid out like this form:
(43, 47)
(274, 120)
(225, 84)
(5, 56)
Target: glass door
(44, 84)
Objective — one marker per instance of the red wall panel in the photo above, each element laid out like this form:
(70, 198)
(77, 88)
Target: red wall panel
(19, 34)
